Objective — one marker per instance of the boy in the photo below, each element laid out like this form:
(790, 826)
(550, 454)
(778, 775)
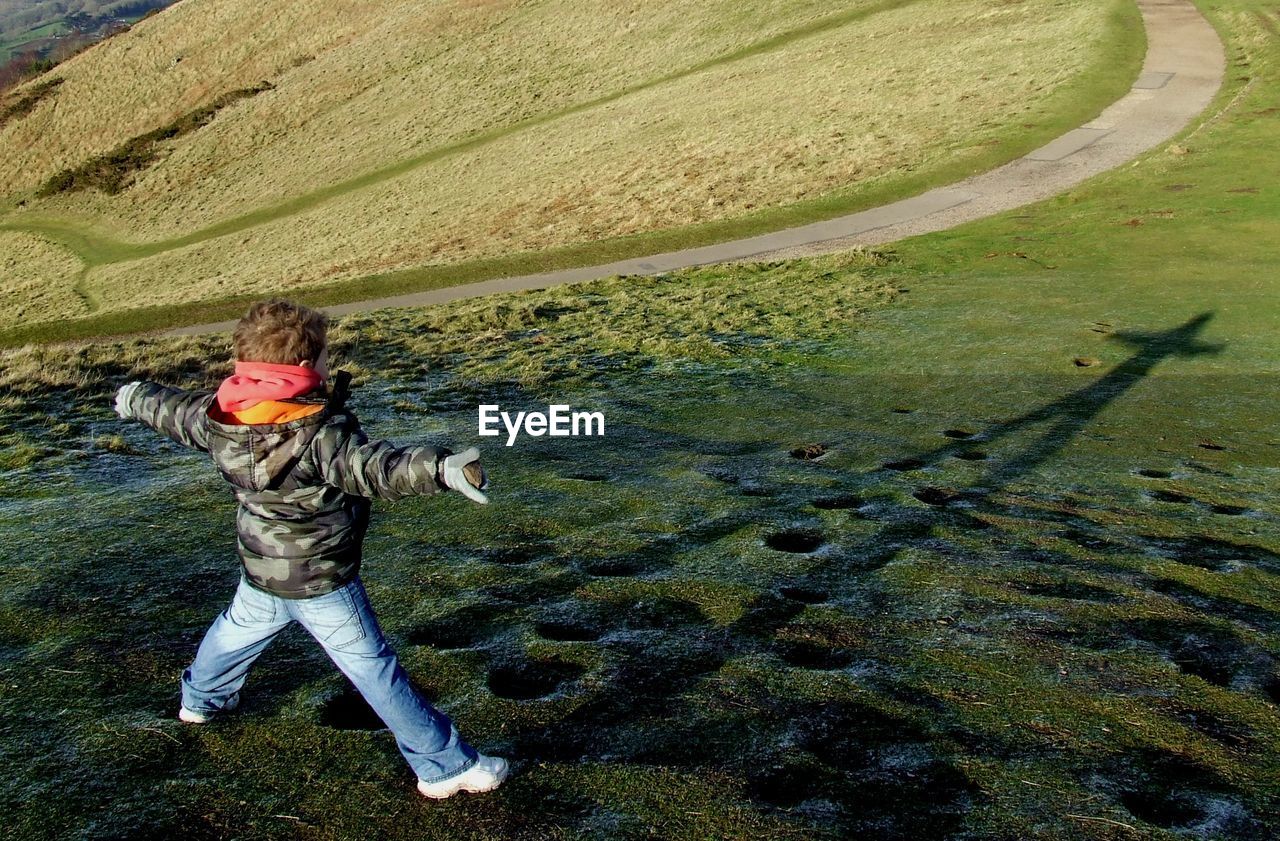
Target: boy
(303, 472)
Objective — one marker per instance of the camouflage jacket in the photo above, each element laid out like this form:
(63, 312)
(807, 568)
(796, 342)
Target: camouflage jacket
(303, 487)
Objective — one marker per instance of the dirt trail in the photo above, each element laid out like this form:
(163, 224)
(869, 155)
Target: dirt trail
(1182, 73)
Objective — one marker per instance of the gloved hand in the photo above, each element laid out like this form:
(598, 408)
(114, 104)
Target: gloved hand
(462, 472)
(123, 395)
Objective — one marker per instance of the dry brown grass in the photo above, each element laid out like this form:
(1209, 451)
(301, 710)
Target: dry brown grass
(360, 85)
(699, 314)
(38, 279)
(899, 91)
(40, 371)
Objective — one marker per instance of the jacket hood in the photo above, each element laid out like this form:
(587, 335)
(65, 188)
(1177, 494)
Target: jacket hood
(260, 457)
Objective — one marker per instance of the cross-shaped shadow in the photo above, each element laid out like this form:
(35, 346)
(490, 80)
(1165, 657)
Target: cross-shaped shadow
(1069, 414)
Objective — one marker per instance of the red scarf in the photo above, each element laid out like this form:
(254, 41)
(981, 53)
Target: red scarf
(256, 382)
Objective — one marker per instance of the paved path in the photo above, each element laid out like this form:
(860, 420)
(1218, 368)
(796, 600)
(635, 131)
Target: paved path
(1182, 73)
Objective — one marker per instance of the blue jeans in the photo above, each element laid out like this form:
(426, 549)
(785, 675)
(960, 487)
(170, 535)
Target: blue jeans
(344, 624)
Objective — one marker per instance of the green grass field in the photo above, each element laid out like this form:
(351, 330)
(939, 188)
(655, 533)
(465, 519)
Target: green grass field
(1026, 589)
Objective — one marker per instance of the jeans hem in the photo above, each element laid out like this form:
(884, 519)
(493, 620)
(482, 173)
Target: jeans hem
(467, 767)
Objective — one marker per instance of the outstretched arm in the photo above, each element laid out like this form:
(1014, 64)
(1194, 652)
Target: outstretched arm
(173, 412)
(348, 460)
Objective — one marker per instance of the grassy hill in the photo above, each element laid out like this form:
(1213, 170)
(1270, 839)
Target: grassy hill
(221, 149)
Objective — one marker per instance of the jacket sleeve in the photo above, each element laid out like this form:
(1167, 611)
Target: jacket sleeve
(173, 412)
(350, 462)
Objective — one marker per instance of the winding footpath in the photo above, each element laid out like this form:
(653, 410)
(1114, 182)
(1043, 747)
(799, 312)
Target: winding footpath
(1181, 74)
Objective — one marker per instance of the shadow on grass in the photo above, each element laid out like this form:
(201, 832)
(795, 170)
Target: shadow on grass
(840, 721)
(1069, 414)
(856, 767)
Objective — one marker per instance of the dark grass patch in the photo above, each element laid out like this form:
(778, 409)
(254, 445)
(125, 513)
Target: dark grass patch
(679, 664)
(514, 555)
(1212, 553)
(958, 434)
(1210, 445)
(818, 646)
(466, 627)
(1152, 473)
(806, 654)
(806, 595)
(657, 612)
(935, 496)
(1209, 653)
(1210, 660)
(1270, 687)
(1212, 653)
(350, 711)
(902, 410)
(768, 613)
(1171, 497)
(809, 452)
(612, 567)
(1210, 471)
(636, 713)
(534, 591)
(720, 474)
(1095, 543)
(1093, 637)
(527, 680)
(567, 630)
(1229, 510)
(114, 171)
(714, 447)
(796, 541)
(1074, 590)
(789, 782)
(880, 771)
(972, 455)
(1166, 790)
(1162, 808)
(458, 631)
(904, 464)
(839, 503)
(587, 477)
(1213, 605)
(1216, 726)
(27, 102)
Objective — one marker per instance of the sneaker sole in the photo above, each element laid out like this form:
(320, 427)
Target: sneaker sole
(497, 782)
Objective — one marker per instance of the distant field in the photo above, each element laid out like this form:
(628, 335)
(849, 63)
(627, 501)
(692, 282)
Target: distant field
(15, 42)
(408, 137)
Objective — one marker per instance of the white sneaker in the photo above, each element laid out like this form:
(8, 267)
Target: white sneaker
(486, 775)
(194, 717)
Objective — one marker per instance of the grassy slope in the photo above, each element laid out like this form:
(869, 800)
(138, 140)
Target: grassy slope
(1068, 648)
(789, 168)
